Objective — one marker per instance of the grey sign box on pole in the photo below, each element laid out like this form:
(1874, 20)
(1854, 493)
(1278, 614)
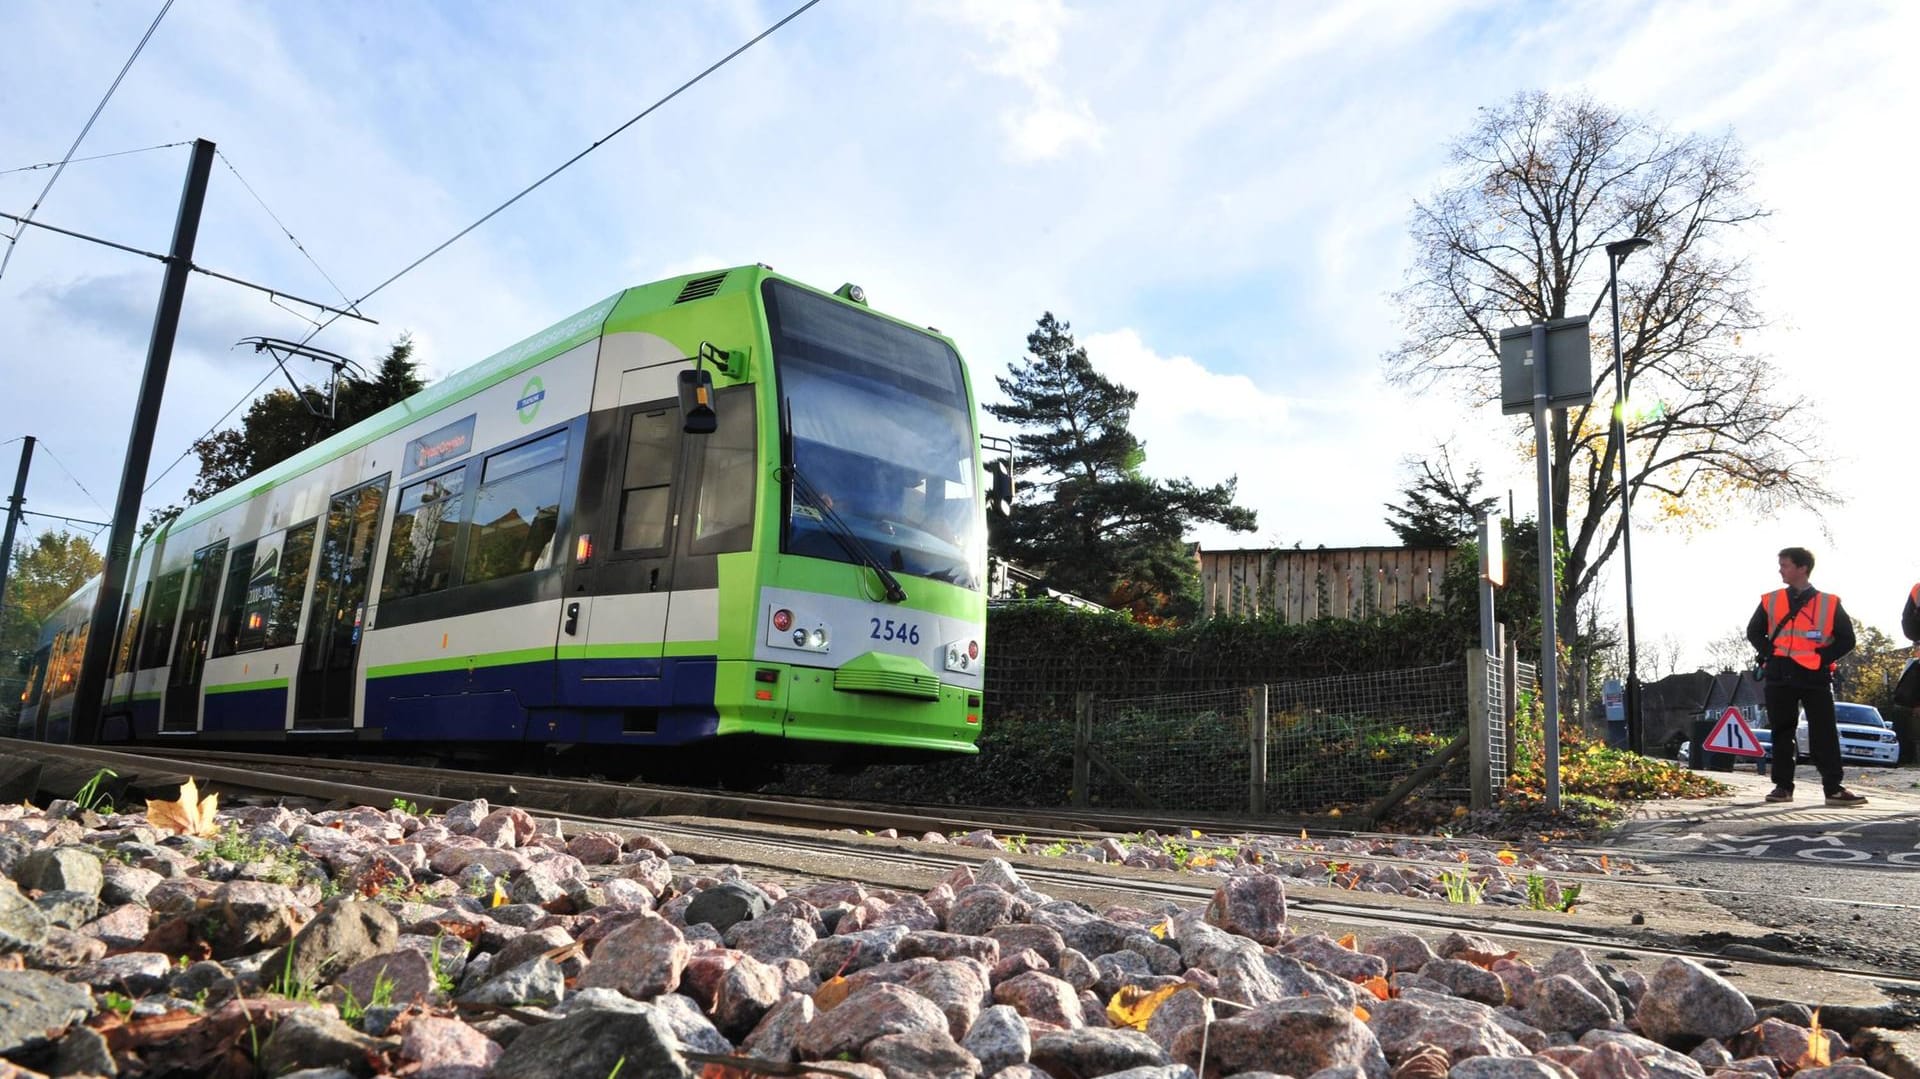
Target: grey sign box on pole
(1569, 366)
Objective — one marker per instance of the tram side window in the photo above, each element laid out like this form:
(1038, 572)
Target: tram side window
(233, 598)
(724, 518)
(646, 489)
(281, 604)
(130, 632)
(36, 680)
(517, 510)
(426, 528)
(157, 634)
(57, 661)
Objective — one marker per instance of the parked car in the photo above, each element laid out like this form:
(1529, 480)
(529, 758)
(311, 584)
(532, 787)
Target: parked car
(1866, 737)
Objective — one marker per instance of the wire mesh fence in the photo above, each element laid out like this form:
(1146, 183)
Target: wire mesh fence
(1290, 747)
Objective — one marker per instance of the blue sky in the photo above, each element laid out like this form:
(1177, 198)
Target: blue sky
(1216, 195)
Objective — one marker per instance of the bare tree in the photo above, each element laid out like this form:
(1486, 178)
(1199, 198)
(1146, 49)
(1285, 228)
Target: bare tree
(1731, 651)
(1518, 235)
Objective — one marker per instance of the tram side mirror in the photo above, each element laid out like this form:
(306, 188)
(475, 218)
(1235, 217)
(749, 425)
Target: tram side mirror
(696, 403)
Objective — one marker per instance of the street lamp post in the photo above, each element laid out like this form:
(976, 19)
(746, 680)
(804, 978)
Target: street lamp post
(1617, 253)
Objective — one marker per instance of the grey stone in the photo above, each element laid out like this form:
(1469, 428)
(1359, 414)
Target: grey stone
(1091, 1051)
(317, 1039)
(63, 869)
(589, 1045)
(68, 909)
(999, 1038)
(538, 981)
(84, 1051)
(34, 1003)
(334, 941)
(1507, 1068)
(1685, 1003)
(134, 973)
(23, 928)
(920, 1054)
(727, 904)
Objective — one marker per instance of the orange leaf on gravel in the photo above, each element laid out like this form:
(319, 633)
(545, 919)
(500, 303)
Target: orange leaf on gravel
(1375, 984)
(1132, 1006)
(191, 815)
(830, 994)
(1485, 960)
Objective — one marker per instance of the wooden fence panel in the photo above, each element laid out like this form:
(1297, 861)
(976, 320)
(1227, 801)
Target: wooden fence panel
(1339, 582)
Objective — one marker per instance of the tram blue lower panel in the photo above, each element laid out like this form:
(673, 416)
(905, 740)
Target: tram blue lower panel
(633, 702)
(246, 710)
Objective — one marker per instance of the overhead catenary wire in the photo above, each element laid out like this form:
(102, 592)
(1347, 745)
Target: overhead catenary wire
(354, 304)
(295, 240)
(175, 463)
(43, 447)
(91, 157)
(12, 241)
(568, 163)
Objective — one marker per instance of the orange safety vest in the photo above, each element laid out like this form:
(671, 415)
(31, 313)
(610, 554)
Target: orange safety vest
(1810, 628)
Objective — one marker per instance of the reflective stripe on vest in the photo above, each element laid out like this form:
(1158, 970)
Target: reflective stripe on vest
(1810, 628)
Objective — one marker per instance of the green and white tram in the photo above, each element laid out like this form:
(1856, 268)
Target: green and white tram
(721, 510)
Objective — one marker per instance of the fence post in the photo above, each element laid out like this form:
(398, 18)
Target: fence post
(1082, 746)
(1257, 750)
(1510, 700)
(1479, 731)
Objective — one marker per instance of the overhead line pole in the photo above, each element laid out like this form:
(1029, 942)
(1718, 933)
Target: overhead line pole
(87, 701)
(15, 508)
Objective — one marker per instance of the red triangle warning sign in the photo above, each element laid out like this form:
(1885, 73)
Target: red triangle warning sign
(1732, 735)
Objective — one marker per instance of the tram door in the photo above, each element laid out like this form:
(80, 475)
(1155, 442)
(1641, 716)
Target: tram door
(181, 710)
(323, 700)
(635, 567)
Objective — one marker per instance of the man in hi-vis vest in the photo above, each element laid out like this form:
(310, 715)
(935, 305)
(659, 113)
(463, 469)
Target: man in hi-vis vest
(1799, 632)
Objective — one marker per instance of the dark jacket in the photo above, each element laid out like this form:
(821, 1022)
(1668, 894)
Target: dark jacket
(1910, 618)
(1782, 671)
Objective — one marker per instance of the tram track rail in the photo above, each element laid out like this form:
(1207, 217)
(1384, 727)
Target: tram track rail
(743, 836)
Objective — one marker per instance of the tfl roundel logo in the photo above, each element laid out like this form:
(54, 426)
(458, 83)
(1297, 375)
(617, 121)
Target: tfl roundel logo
(531, 395)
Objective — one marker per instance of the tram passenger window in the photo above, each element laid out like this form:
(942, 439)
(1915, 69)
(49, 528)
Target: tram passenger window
(36, 681)
(157, 634)
(130, 632)
(517, 510)
(724, 518)
(233, 601)
(646, 489)
(426, 528)
(282, 604)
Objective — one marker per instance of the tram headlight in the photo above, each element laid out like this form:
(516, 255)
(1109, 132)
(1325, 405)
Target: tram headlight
(799, 638)
(818, 639)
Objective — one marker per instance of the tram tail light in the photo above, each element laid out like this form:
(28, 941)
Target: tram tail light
(963, 656)
(583, 550)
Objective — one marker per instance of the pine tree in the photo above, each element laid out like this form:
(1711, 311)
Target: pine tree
(1100, 528)
(1440, 509)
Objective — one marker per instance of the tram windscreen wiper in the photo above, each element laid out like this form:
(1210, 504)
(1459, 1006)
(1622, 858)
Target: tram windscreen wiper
(844, 535)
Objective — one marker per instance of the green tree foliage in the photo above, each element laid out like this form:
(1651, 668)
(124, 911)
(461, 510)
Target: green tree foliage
(1439, 509)
(1868, 673)
(1517, 235)
(280, 424)
(45, 572)
(1098, 527)
(1516, 604)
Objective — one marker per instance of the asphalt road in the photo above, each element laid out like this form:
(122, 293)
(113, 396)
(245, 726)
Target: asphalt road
(1839, 884)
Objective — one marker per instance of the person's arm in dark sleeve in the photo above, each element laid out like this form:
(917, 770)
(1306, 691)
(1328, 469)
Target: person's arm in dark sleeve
(1910, 618)
(1842, 641)
(1757, 631)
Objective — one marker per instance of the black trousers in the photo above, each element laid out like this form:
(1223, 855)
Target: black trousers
(1823, 737)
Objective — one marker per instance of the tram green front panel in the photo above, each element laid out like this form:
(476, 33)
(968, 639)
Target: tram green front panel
(816, 711)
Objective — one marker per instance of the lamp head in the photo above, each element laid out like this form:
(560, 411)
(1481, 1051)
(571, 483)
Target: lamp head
(1618, 250)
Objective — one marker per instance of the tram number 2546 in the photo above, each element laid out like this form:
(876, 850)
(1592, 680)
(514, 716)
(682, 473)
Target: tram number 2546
(889, 630)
